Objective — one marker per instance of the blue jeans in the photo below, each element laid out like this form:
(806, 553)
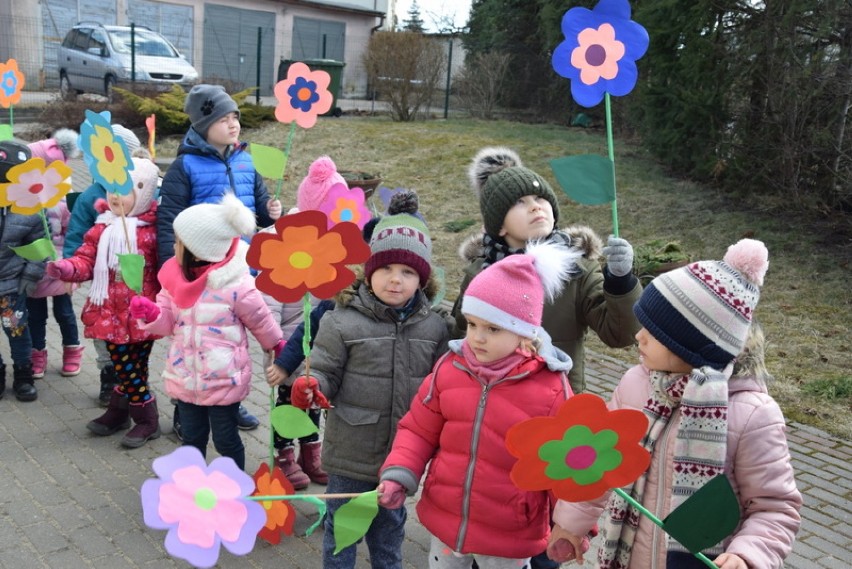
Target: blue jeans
(63, 313)
(384, 538)
(13, 319)
(197, 422)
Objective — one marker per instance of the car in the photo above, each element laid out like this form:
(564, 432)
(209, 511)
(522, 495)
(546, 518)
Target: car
(94, 58)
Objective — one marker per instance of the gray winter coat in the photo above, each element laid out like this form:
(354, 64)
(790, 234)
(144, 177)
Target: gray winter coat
(370, 365)
(17, 230)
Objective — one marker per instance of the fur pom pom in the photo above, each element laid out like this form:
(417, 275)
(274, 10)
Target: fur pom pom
(237, 215)
(66, 140)
(321, 170)
(554, 264)
(488, 161)
(404, 202)
(750, 257)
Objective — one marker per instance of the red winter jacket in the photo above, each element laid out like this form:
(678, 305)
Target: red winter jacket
(468, 499)
(111, 320)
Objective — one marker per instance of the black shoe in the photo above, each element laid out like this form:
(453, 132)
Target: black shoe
(22, 384)
(108, 383)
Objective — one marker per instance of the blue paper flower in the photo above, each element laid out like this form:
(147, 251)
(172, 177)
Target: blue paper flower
(303, 94)
(600, 51)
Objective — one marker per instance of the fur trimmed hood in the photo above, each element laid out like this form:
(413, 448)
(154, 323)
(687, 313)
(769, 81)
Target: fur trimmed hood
(582, 238)
(232, 271)
(345, 296)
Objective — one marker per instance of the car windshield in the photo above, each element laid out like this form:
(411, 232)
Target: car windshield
(147, 43)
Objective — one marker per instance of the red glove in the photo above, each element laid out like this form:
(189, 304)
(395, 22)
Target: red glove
(305, 392)
(62, 269)
(144, 309)
(391, 495)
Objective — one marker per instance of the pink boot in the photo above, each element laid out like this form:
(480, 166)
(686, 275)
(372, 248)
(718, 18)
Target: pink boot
(71, 358)
(39, 359)
(309, 460)
(286, 460)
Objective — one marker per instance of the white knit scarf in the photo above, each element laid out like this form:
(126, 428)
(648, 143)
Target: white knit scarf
(111, 244)
(699, 453)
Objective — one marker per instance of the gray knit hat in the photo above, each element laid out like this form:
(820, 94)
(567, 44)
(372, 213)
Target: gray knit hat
(401, 237)
(205, 104)
(500, 179)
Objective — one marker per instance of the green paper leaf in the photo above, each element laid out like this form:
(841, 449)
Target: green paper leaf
(353, 519)
(38, 250)
(705, 518)
(586, 178)
(439, 276)
(269, 161)
(321, 509)
(6, 132)
(291, 422)
(132, 265)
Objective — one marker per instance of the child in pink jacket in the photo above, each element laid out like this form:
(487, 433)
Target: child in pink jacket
(207, 305)
(702, 386)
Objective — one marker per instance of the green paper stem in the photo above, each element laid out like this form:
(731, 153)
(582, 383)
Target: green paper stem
(271, 429)
(46, 227)
(306, 338)
(646, 512)
(287, 154)
(611, 150)
(306, 497)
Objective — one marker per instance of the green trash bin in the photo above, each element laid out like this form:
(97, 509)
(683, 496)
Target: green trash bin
(332, 67)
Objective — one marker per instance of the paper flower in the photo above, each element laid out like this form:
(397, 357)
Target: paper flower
(34, 186)
(11, 83)
(201, 506)
(304, 255)
(600, 51)
(581, 452)
(343, 204)
(105, 154)
(303, 95)
(280, 514)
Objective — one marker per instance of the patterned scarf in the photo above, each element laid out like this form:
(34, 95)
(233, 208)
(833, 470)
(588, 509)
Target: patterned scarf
(496, 248)
(699, 453)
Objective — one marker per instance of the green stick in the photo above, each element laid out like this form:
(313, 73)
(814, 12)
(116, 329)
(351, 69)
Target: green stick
(611, 150)
(304, 497)
(46, 227)
(646, 512)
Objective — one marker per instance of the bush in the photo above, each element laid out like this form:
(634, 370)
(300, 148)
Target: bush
(481, 82)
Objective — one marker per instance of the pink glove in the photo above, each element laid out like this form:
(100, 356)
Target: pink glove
(391, 495)
(142, 308)
(306, 391)
(279, 348)
(62, 269)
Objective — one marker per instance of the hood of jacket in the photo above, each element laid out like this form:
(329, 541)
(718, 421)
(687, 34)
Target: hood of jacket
(582, 237)
(554, 358)
(194, 143)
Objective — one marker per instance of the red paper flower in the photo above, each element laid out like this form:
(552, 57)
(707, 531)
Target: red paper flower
(304, 255)
(303, 95)
(580, 453)
(280, 514)
(11, 83)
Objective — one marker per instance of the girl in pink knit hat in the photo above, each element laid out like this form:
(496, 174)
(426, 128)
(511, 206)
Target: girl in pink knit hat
(503, 372)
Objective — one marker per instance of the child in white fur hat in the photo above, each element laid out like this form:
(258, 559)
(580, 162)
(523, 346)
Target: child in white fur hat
(703, 421)
(503, 372)
(207, 304)
(126, 224)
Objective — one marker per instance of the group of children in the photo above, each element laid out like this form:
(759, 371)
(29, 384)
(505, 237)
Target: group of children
(399, 393)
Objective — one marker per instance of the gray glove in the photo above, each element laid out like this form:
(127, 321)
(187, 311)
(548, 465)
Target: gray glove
(619, 256)
(26, 287)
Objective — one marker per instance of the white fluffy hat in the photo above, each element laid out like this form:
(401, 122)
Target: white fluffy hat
(208, 230)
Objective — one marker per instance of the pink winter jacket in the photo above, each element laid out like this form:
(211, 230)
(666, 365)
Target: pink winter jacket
(208, 362)
(757, 465)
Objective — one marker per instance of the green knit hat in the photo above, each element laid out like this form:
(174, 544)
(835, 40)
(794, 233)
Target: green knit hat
(401, 237)
(500, 179)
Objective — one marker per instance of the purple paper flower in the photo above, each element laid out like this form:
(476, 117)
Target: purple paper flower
(201, 506)
(600, 51)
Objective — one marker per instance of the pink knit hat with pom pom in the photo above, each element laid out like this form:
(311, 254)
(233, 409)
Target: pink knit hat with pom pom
(322, 175)
(702, 312)
(61, 146)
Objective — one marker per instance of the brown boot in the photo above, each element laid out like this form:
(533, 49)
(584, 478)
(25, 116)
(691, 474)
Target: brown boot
(116, 418)
(147, 427)
(286, 460)
(309, 460)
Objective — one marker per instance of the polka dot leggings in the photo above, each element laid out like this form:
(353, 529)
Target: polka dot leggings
(130, 362)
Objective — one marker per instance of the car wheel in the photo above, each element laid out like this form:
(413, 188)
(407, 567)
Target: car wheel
(67, 92)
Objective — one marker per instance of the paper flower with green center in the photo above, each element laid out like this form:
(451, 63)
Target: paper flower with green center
(600, 51)
(201, 506)
(343, 204)
(106, 154)
(303, 95)
(11, 83)
(581, 452)
(305, 255)
(34, 186)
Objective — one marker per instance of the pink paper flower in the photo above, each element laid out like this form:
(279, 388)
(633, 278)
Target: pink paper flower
(33, 186)
(343, 204)
(303, 95)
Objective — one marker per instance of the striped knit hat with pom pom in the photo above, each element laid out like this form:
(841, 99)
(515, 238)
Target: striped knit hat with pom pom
(500, 179)
(208, 230)
(511, 293)
(401, 237)
(702, 312)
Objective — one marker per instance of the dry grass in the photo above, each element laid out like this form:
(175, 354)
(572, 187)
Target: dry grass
(805, 308)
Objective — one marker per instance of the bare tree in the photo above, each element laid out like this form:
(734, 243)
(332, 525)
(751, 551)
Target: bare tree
(406, 68)
(481, 81)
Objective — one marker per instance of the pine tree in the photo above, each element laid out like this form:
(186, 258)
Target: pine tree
(414, 23)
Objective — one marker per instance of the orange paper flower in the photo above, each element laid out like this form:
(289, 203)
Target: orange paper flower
(11, 83)
(34, 186)
(581, 452)
(304, 255)
(280, 514)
